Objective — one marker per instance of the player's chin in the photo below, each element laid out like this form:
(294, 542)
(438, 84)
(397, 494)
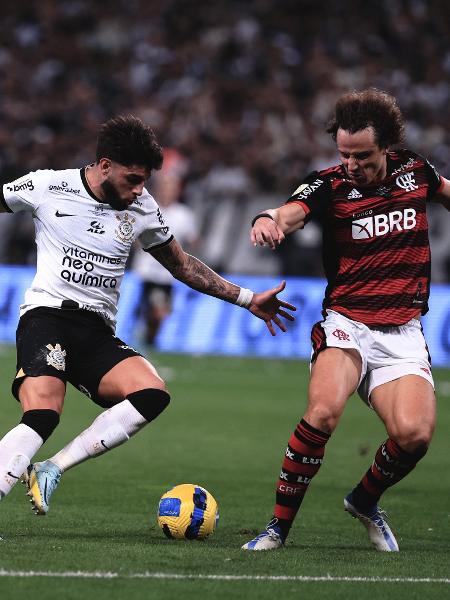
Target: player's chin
(124, 204)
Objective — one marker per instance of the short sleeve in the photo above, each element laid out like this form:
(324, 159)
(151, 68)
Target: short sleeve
(435, 181)
(26, 192)
(313, 194)
(157, 232)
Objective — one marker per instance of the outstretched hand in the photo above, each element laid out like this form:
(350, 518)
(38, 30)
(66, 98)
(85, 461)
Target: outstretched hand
(269, 308)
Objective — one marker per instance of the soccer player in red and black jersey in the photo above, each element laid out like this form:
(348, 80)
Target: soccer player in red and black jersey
(377, 261)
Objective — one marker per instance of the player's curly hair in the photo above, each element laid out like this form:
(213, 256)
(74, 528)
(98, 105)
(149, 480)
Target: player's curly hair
(127, 140)
(371, 107)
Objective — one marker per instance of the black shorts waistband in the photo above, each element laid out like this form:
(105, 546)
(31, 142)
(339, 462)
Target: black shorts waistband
(68, 309)
(70, 305)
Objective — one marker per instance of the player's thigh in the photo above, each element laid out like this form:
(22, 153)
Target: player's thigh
(43, 392)
(407, 407)
(130, 375)
(334, 377)
(41, 370)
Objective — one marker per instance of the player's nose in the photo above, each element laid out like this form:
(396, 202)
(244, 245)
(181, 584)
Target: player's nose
(352, 164)
(137, 189)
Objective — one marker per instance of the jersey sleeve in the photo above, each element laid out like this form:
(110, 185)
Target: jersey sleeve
(157, 232)
(313, 194)
(26, 192)
(435, 181)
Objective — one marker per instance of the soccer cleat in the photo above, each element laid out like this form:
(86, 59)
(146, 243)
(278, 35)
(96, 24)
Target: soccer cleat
(374, 520)
(270, 539)
(41, 479)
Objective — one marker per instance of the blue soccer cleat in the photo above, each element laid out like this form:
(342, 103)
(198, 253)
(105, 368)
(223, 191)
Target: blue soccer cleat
(374, 520)
(41, 479)
(270, 539)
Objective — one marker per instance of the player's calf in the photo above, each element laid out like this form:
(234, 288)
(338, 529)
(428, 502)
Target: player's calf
(20, 444)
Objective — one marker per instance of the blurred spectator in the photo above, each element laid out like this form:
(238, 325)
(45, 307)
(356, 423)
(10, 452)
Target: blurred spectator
(241, 89)
(166, 187)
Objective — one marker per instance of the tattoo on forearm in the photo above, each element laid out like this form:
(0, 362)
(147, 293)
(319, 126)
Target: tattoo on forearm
(194, 273)
(200, 277)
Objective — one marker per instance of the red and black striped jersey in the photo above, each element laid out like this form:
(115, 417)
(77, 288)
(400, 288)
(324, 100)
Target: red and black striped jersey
(376, 250)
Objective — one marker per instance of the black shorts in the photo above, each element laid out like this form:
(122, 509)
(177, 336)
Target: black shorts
(72, 345)
(157, 295)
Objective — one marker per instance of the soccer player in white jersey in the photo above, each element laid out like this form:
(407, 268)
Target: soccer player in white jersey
(86, 220)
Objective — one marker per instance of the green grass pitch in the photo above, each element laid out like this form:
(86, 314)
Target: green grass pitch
(226, 429)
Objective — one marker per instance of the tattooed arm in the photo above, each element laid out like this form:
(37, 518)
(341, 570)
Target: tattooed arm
(200, 277)
(194, 273)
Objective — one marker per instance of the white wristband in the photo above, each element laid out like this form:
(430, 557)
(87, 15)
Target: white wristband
(245, 297)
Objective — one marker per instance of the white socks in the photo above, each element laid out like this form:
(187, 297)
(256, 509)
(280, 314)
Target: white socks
(110, 429)
(17, 448)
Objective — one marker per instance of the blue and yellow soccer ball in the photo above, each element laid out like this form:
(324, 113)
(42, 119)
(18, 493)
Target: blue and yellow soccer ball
(188, 511)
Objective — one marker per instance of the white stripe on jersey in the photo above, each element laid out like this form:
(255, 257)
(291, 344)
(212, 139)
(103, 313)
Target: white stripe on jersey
(82, 244)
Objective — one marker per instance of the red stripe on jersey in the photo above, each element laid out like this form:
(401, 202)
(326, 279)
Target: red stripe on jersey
(402, 255)
(376, 317)
(376, 246)
(302, 204)
(382, 290)
(374, 226)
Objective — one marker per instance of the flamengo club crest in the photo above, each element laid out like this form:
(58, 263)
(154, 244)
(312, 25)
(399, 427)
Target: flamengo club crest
(341, 335)
(407, 182)
(125, 229)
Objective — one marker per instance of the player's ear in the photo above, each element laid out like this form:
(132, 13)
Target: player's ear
(105, 166)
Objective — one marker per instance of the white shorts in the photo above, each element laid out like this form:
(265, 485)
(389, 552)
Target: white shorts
(387, 353)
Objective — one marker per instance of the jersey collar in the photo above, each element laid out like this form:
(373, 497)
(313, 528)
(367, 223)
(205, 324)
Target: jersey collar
(86, 184)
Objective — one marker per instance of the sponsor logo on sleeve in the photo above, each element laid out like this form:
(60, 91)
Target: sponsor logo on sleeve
(21, 186)
(165, 229)
(305, 189)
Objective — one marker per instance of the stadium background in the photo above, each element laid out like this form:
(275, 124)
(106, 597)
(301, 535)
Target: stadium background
(243, 91)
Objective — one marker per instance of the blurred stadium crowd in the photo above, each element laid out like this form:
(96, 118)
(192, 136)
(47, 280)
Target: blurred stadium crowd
(242, 90)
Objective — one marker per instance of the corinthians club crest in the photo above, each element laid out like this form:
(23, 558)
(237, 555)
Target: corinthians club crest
(125, 229)
(56, 357)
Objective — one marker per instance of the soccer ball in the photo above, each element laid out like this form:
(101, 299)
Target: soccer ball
(188, 511)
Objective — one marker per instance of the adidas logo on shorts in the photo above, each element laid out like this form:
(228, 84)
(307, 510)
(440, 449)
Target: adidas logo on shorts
(354, 194)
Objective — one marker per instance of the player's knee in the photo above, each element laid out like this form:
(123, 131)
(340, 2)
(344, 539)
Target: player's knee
(39, 393)
(322, 417)
(414, 438)
(42, 421)
(149, 402)
(322, 414)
